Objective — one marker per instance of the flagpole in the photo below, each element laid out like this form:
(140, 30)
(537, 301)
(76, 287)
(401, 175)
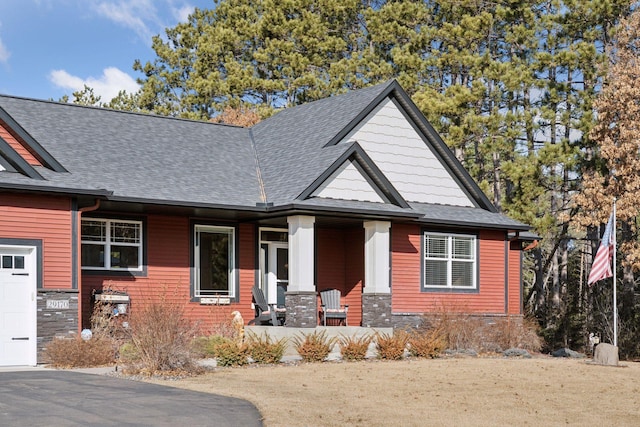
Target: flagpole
(615, 299)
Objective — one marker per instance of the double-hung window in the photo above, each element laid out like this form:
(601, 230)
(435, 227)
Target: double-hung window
(450, 261)
(214, 261)
(111, 244)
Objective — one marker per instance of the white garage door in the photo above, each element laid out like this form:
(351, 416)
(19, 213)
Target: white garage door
(17, 305)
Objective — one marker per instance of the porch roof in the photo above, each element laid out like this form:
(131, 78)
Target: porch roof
(432, 214)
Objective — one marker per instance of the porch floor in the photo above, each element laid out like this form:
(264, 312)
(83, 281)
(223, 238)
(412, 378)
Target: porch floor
(278, 332)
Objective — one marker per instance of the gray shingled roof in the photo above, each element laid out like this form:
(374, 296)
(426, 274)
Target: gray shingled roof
(140, 156)
(462, 215)
(291, 144)
(146, 158)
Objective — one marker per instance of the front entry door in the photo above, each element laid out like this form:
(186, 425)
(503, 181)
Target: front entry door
(17, 306)
(274, 268)
(278, 273)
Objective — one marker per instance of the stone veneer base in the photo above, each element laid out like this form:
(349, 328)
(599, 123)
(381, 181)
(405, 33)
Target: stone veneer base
(416, 320)
(302, 309)
(376, 310)
(57, 316)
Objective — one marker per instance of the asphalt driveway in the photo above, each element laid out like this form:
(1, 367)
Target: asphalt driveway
(67, 398)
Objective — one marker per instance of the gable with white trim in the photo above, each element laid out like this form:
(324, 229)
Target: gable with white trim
(405, 159)
(348, 183)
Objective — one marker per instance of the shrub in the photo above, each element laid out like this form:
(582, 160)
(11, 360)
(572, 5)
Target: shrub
(391, 346)
(354, 348)
(467, 332)
(77, 353)
(314, 347)
(161, 335)
(232, 353)
(263, 350)
(207, 347)
(128, 354)
(516, 333)
(460, 331)
(426, 342)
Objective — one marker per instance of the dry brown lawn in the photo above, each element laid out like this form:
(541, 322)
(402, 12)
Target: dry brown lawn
(441, 392)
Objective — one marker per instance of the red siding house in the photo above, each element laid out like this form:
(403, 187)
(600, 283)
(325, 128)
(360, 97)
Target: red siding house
(355, 192)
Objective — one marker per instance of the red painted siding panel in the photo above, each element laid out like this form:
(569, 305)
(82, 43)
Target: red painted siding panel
(340, 265)
(406, 276)
(47, 219)
(354, 273)
(168, 273)
(18, 146)
(515, 281)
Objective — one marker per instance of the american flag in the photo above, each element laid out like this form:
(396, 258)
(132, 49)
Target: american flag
(601, 267)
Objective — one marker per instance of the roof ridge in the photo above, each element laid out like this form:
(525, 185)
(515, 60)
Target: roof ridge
(135, 113)
(263, 191)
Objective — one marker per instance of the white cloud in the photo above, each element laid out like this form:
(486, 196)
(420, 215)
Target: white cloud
(137, 15)
(182, 14)
(106, 86)
(4, 52)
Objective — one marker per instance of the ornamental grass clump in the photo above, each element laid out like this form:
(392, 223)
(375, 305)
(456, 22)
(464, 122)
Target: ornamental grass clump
(426, 342)
(263, 349)
(354, 348)
(232, 353)
(314, 347)
(391, 346)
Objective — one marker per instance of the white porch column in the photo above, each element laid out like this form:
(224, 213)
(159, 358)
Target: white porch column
(376, 257)
(376, 294)
(301, 253)
(300, 298)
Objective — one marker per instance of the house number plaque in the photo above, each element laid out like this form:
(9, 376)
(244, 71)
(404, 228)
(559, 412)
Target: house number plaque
(58, 304)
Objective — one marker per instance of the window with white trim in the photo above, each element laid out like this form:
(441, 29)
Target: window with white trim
(450, 261)
(120, 239)
(214, 261)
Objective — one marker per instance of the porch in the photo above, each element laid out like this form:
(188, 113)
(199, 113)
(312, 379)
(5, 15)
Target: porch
(314, 254)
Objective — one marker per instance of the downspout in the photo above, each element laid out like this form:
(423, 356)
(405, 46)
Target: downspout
(93, 207)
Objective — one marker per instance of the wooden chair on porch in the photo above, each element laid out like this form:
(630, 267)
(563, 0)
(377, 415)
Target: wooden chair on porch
(331, 308)
(266, 313)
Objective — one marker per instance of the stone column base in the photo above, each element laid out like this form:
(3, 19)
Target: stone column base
(376, 310)
(302, 309)
(57, 317)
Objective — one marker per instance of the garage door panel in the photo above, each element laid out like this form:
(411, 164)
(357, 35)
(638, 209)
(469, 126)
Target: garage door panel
(17, 306)
(15, 294)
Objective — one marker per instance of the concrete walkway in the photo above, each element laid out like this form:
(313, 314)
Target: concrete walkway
(45, 397)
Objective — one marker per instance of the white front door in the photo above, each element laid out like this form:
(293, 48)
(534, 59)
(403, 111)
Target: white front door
(17, 305)
(277, 272)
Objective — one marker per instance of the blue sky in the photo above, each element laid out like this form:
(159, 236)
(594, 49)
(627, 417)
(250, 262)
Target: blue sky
(49, 48)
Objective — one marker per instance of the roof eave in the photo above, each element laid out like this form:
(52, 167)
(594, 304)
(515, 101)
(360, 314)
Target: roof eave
(300, 208)
(474, 224)
(67, 191)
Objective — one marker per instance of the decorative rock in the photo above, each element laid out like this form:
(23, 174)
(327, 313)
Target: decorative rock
(565, 352)
(606, 354)
(516, 352)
